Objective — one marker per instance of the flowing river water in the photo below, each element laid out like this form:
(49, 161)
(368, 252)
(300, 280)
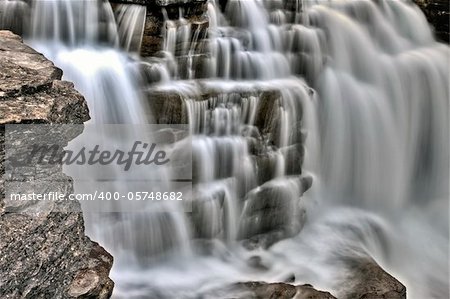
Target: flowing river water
(363, 81)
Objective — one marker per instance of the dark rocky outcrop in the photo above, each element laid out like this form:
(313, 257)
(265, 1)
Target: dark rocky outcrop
(438, 14)
(263, 290)
(367, 280)
(44, 251)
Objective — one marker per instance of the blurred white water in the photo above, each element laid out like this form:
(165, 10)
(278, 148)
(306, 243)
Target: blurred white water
(131, 23)
(377, 145)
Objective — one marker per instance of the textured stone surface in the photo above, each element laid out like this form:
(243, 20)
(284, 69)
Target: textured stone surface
(263, 290)
(283, 291)
(44, 254)
(369, 281)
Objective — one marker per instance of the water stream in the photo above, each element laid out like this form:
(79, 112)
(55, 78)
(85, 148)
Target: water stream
(360, 87)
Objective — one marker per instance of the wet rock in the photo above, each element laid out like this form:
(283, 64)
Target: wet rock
(44, 251)
(189, 19)
(168, 105)
(369, 281)
(207, 214)
(150, 45)
(437, 13)
(257, 263)
(23, 70)
(283, 291)
(290, 279)
(194, 13)
(263, 290)
(193, 66)
(274, 206)
(199, 47)
(266, 164)
(267, 115)
(295, 154)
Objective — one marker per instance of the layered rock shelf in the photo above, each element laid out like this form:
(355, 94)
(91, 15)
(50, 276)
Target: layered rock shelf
(44, 251)
(158, 11)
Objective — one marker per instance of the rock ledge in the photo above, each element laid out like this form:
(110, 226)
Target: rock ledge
(44, 254)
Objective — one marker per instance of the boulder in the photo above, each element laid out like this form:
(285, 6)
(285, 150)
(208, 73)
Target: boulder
(45, 252)
(207, 214)
(264, 290)
(274, 207)
(282, 291)
(369, 281)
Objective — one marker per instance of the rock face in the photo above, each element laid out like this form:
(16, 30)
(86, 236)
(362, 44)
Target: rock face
(44, 254)
(273, 208)
(437, 13)
(370, 281)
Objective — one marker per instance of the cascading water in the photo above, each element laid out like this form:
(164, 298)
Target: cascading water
(131, 23)
(83, 38)
(363, 81)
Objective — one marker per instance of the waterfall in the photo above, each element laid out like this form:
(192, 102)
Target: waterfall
(13, 15)
(85, 40)
(131, 23)
(351, 95)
